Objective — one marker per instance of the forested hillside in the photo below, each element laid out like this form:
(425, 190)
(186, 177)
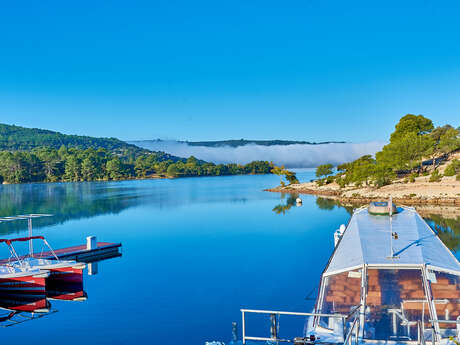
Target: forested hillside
(16, 138)
(37, 155)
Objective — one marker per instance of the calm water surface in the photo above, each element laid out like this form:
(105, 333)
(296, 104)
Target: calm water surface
(195, 251)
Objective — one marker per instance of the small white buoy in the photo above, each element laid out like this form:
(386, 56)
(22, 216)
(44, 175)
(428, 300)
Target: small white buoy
(298, 200)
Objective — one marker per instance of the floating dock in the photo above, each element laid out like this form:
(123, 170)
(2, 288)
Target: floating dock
(89, 252)
(102, 250)
(92, 251)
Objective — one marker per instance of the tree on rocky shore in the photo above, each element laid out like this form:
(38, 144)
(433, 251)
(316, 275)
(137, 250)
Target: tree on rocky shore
(414, 140)
(281, 171)
(324, 170)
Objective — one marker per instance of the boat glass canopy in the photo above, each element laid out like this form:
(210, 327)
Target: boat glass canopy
(400, 275)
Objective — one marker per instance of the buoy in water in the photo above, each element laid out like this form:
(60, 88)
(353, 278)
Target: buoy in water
(298, 201)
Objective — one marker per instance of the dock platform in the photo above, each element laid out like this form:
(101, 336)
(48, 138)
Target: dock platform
(103, 250)
(82, 253)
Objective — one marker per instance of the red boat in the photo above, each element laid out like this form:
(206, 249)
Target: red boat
(22, 280)
(59, 270)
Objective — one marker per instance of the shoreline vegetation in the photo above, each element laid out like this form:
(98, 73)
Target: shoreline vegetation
(37, 155)
(419, 166)
(77, 165)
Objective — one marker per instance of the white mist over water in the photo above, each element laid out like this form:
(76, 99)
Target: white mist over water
(292, 156)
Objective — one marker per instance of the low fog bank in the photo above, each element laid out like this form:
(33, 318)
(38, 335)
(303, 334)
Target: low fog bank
(292, 156)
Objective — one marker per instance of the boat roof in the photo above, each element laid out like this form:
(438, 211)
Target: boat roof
(367, 240)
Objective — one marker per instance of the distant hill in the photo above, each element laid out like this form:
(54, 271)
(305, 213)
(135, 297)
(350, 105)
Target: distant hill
(240, 142)
(37, 155)
(16, 138)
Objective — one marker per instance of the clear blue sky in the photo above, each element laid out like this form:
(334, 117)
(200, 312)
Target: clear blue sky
(199, 70)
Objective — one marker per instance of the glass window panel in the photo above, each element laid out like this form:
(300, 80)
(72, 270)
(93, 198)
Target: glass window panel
(342, 293)
(395, 301)
(445, 289)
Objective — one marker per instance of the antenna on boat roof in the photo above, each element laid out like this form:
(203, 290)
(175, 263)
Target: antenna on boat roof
(392, 234)
(29, 224)
(390, 212)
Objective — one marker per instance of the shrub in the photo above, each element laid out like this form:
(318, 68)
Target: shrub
(319, 182)
(453, 168)
(329, 179)
(341, 182)
(450, 171)
(412, 177)
(457, 177)
(425, 173)
(435, 176)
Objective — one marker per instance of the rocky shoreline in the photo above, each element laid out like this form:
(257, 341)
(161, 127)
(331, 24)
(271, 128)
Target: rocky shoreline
(421, 192)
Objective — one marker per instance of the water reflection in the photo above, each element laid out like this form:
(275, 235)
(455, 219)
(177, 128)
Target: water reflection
(17, 307)
(65, 200)
(446, 226)
(448, 229)
(285, 207)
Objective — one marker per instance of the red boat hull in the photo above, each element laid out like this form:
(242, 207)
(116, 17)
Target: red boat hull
(27, 285)
(66, 291)
(24, 303)
(66, 274)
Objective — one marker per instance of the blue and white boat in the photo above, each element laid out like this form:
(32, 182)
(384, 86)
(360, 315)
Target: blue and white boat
(389, 280)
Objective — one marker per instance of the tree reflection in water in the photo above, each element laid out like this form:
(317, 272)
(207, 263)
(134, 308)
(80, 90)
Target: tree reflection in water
(448, 230)
(290, 201)
(447, 227)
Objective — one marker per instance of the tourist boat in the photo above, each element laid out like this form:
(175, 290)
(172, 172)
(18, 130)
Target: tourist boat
(389, 280)
(59, 270)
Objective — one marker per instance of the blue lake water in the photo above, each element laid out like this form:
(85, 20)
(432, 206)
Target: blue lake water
(195, 251)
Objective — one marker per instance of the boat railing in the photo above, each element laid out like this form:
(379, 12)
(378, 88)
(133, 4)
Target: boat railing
(420, 333)
(436, 336)
(274, 324)
(354, 330)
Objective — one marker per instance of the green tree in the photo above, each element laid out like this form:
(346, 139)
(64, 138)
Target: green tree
(89, 169)
(324, 170)
(140, 166)
(52, 163)
(453, 168)
(114, 169)
(280, 172)
(172, 170)
(443, 140)
(417, 124)
(72, 168)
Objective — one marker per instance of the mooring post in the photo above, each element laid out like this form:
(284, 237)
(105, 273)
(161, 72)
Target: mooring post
(91, 242)
(92, 268)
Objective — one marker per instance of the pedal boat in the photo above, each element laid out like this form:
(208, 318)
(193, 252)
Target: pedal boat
(59, 270)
